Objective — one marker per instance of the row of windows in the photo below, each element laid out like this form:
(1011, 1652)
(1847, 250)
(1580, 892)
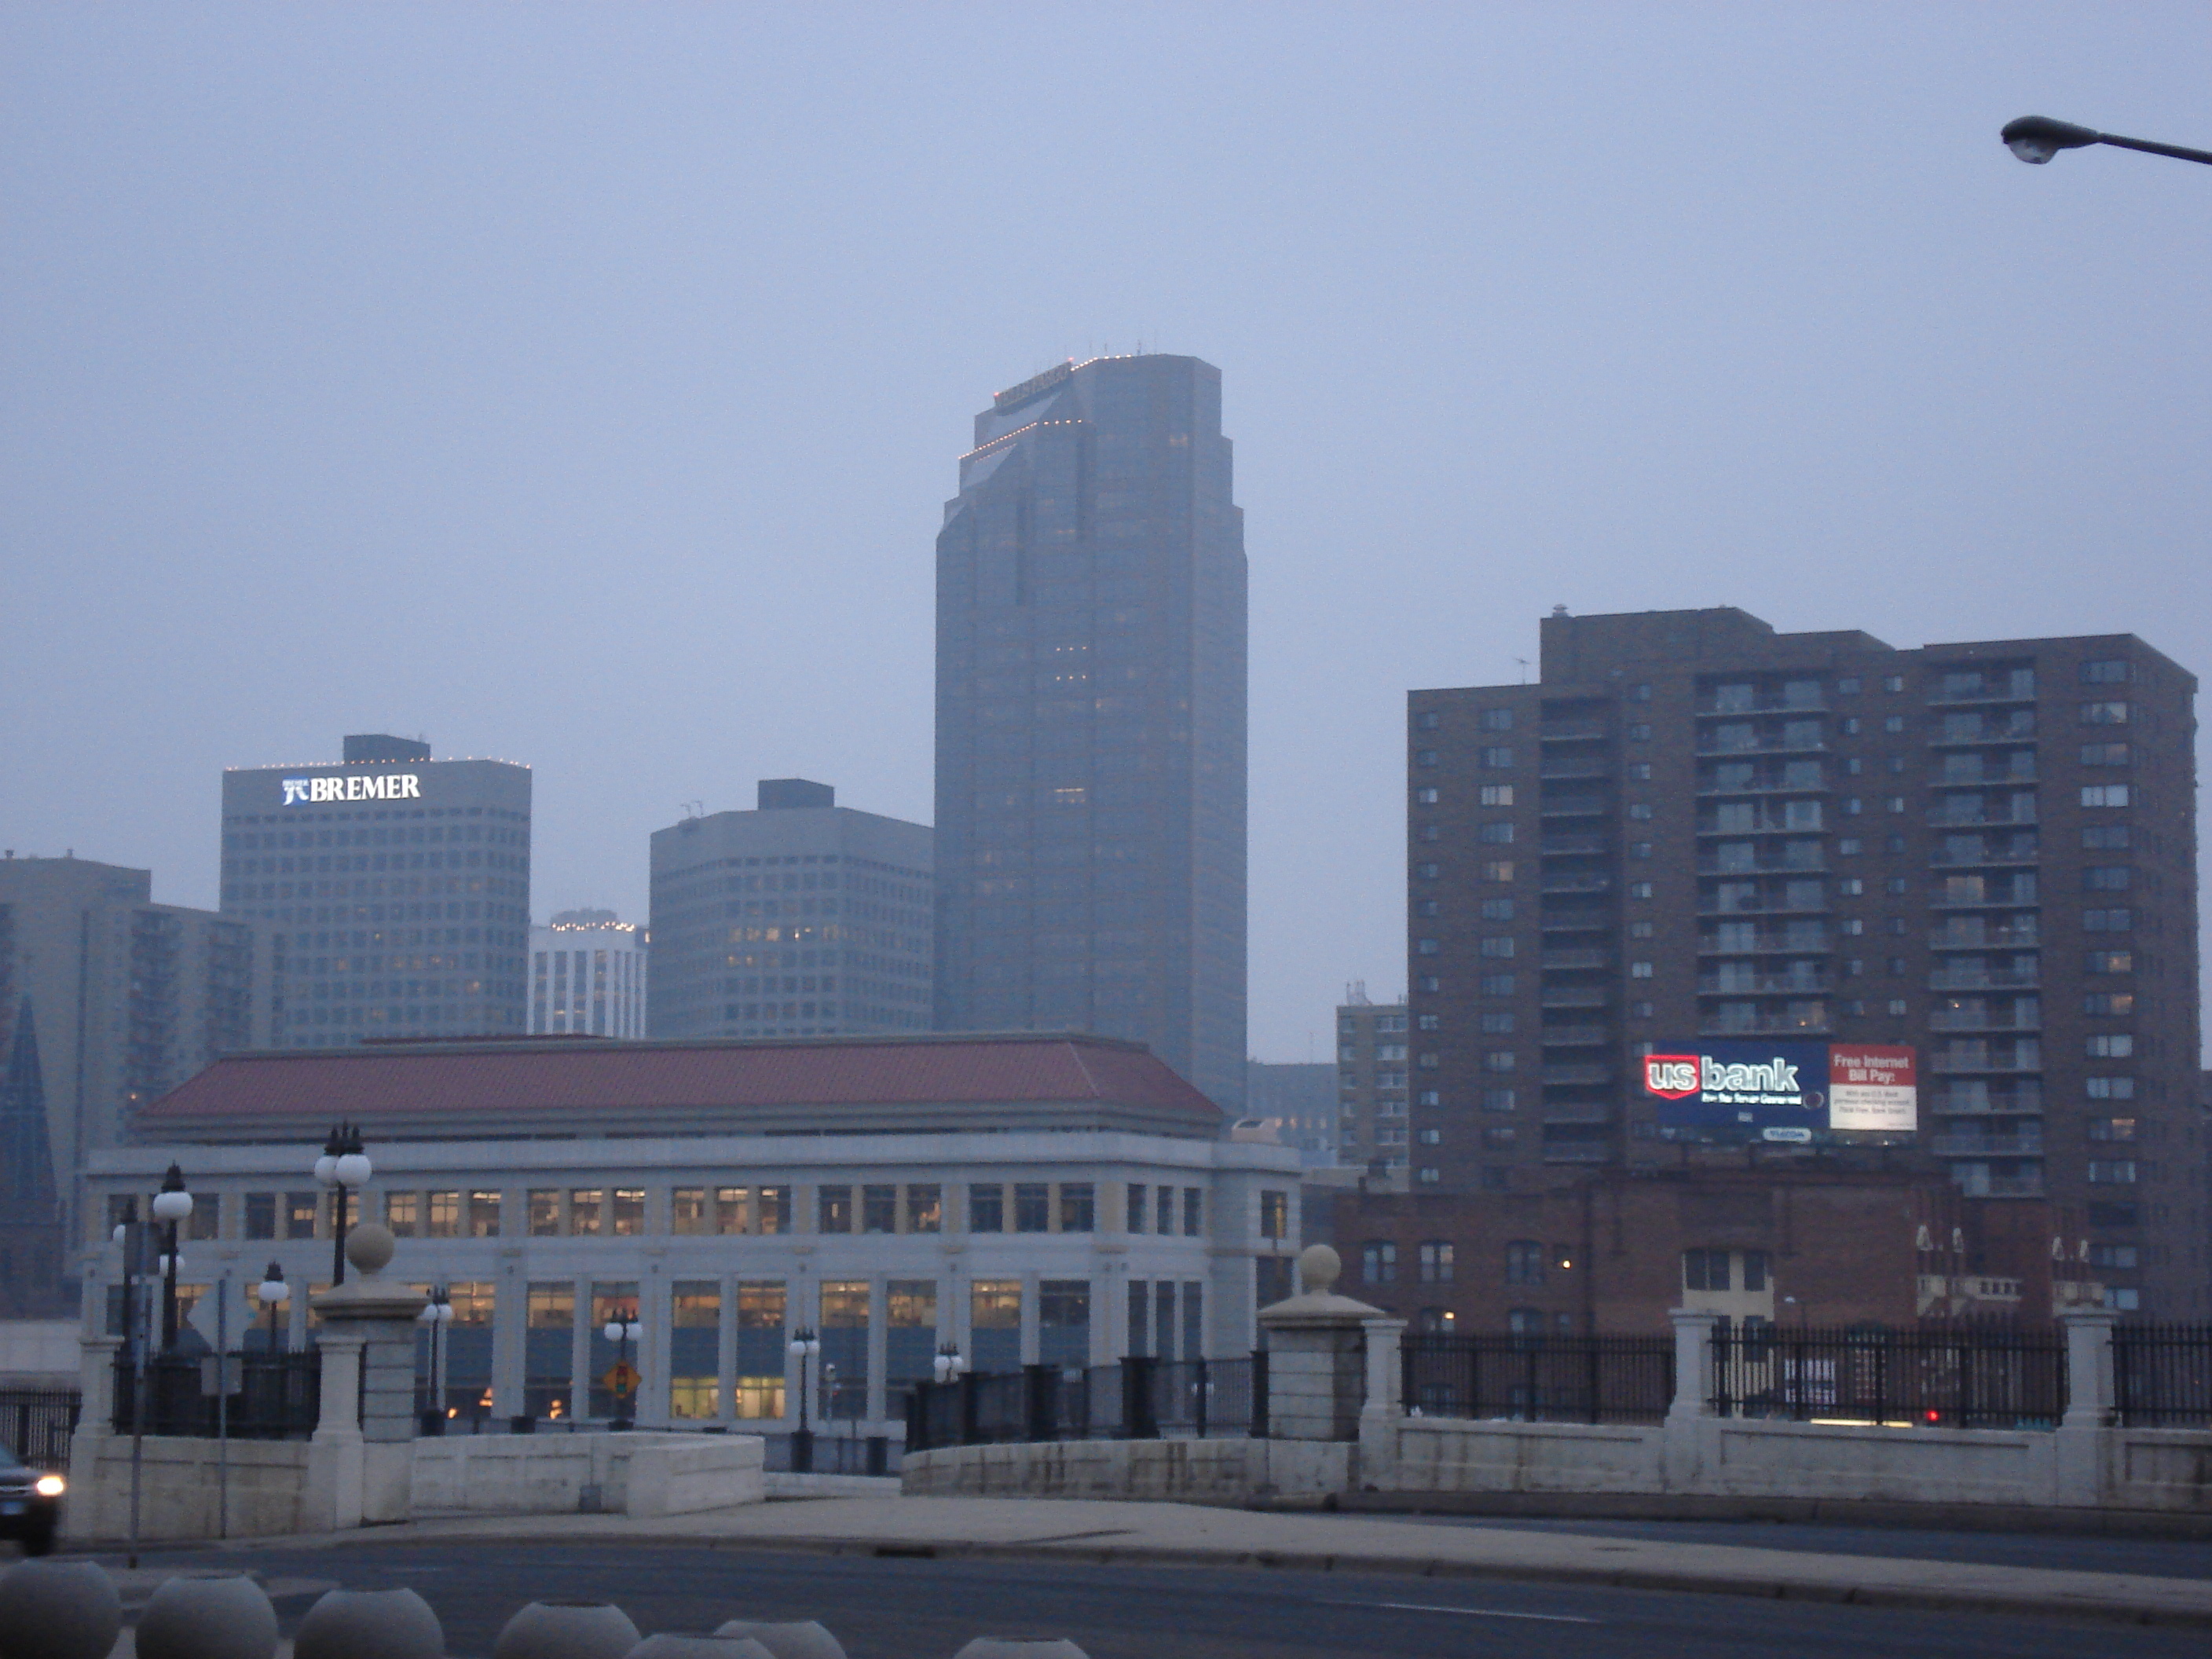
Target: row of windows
(621, 1212)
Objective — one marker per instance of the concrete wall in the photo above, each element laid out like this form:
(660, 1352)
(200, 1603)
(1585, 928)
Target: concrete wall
(39, 1352)
(1188, 1471)
(643, 1474)
(180, 1489)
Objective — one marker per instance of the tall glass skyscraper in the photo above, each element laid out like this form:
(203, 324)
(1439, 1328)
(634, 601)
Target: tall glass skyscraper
(1091, 718)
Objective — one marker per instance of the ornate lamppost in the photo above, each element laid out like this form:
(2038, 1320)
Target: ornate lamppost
(272, 1290)
(342, 1168)
(171, 1205)
(805, 1345)
(623, 1331)
(437, 1313)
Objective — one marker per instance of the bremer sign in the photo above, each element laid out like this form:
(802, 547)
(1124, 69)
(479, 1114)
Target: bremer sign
(1795, 1087)
(1872, 1088)
(388, 785)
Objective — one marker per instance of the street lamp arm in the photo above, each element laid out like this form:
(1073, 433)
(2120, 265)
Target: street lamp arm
(2037, 138)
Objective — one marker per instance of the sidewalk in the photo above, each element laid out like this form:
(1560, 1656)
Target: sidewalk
(1156, 1534)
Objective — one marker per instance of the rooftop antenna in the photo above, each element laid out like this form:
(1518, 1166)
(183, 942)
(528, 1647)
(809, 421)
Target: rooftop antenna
(1523, 661)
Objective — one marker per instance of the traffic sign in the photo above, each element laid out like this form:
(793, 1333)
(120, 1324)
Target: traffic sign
(621, 1377)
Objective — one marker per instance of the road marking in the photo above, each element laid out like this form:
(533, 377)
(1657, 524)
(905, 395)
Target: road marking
(1477, 1612)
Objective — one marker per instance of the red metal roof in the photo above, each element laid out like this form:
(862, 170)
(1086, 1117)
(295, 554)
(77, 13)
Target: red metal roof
(467, 1087)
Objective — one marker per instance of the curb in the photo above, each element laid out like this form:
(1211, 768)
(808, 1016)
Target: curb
(2117, 1608)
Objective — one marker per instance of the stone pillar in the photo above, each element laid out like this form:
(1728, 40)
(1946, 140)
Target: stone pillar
(1317, 1355)
(2084, 1444)
(90, 1511)
(1384, 1410)
(1690, 1421)
(361, 1465)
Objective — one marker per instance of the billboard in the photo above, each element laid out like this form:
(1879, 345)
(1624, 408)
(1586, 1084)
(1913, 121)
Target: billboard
(1784, 1091)
(1873, 1088)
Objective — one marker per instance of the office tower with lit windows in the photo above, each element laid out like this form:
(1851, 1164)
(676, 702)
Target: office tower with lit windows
(588, 975)
(1090, 719)
(1692, 828)
(801, 917)
(395, 889)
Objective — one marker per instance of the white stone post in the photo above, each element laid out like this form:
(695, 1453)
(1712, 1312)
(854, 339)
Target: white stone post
(1385, 1410)
(361, 1461)
(2084, 1440)
(1690, 1418)
(86, 1513)
(1317, 1356)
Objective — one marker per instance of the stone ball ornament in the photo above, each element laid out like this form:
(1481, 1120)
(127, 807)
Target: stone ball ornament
(58, 1610)
(799, 1639)
(567, 1630)
(1319, 1269)
(1021, 1647)
(208, 1615)
(697, 1644)
(369, 1246)
(389, 1624)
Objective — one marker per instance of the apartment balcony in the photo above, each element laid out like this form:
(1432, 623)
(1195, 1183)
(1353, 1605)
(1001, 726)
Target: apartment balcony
(1771, 704)
(1973, 1145)
(1765, 787)
(1766, 942)
(1578, 1074)
(1576, 921)
(1575, 806)
(2006, 1105)
(1568, 846)
(2015, 937)
(1575, 996)
(1993, 818)
(1600, 883)
(1575, 1036)
(1991, 1185)
(1990, 694)
(1574, 766)
(1768, 908)
(1991, 1020)
(1940, 900)
(1984, 1065)
(1764, 824)
(1766, 742)
(1764, 1028)
(1573, 730)
(1578, 1152)
(1576, 959)
(1798, 865)
(1776, 985)
(1942, 861)
(1987, 778)
(1987, 736)
(1982, 979)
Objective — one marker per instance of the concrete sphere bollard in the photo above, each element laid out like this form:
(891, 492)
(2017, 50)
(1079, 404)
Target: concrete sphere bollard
(208, 1616)
(800, 1639)
(393, 1624)
(567, 1630)
(690, 1645)
(1021, 1647)
(1319, 1269)
(368, 1246)
(58, 1610)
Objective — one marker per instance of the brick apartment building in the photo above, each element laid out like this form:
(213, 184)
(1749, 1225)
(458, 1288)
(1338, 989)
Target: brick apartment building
(1611, 1250)
(1691, 827)
(1372, 1055)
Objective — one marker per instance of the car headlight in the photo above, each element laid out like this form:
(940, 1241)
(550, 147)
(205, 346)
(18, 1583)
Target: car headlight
(51, 1485)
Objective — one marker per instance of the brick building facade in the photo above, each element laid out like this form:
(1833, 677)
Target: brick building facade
(1693, 827)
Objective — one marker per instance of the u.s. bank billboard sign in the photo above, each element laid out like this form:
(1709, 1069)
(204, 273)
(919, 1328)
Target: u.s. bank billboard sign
(386, 786)
(1792, 1088)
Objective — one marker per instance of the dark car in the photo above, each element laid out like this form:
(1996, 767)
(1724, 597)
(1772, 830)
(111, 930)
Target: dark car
(30, 1504)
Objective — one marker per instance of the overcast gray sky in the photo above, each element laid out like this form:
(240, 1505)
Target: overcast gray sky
(581, 385)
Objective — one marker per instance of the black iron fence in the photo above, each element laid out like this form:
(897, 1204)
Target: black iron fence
(2162, 1375)
(1954, 1377)
(1531, 1378)
(271, 1397)
(1138, 1399)
(35, 1424)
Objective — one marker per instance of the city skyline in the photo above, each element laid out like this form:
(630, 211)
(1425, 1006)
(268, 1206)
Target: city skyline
(672, 375)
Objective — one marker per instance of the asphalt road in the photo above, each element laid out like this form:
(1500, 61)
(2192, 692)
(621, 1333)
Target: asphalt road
(2156, 1557)
(927, 1609)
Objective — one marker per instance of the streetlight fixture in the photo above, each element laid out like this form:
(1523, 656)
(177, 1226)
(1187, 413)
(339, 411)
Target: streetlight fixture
(171, 1205)
(948, 1364)
(622, 1332)
(2036, 138)
(342, 1168)
(437, 1313)
(804, 1345)
(272, 1290)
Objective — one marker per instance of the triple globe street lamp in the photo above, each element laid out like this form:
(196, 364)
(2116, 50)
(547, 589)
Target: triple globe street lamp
(437, 1314)
(343, 1168)
(623, 1331)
